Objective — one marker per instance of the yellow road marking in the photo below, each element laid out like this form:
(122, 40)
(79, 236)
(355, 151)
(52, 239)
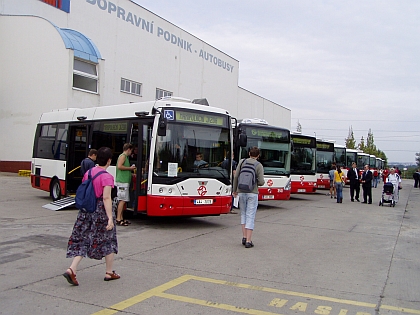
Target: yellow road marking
(221, 306)
(159, 291)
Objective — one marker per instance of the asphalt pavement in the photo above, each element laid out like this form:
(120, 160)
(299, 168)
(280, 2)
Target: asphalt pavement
(311, 256)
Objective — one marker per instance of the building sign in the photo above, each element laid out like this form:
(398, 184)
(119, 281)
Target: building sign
(149, 26)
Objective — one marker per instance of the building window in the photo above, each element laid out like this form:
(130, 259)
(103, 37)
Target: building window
(131, 87)
(162, 93)
(85, 76)
(60, 4)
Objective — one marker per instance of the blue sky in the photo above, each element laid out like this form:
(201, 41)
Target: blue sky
(335, 64)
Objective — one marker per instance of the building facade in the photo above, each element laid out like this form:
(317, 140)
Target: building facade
(85, 53)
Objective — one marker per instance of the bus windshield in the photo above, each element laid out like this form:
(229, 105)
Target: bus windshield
(274, 157)
(191, 151)
(303, 161)
(274, 145)
(324, 161)
(340, 156)
(350, 158)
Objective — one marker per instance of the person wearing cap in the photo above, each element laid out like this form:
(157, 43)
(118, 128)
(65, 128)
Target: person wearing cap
(395, 179)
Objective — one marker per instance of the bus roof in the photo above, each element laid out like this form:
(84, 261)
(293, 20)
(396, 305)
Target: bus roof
(123, 110)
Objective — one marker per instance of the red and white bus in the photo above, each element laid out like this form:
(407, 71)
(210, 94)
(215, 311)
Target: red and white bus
(274, 144)
(168, 133)
(302, 165)
(324, 160)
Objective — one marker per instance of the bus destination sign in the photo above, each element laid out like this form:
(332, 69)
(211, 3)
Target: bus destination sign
(267, 133)
(324, 146)
(303, 141)
(200, 118)
(115, 127)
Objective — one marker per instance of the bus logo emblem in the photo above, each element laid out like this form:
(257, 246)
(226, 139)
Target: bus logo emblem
(202, 190)
(270, 182)
(169, 114)
(302, 178)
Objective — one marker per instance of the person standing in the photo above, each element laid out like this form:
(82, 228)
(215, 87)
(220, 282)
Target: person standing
(367, 185)
(333, 191)
(395, 179)
(248, 201)
(338, 183)
(123, 181)
(88, 162)
(94, 234)
(416, 177)
(353, 176)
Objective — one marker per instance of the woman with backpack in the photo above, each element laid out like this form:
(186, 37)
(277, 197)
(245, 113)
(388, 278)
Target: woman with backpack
(94, 234)
(249, 175)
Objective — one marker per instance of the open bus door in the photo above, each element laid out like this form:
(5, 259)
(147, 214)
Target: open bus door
(140, 137)
(77, 151)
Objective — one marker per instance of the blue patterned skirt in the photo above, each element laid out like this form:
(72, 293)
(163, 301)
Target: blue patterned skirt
(90, 237)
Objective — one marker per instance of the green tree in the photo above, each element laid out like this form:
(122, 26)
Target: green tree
(370, 147)
(299, 127)
(361, 145)
(350, 142)
(418, 159)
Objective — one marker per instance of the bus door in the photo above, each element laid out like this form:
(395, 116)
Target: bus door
(140, 137)
(78, 149)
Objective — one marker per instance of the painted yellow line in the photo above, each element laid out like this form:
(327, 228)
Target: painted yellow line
(221, 306)
(142, 296)
(285, 292)
(399, 309)
(159, 291)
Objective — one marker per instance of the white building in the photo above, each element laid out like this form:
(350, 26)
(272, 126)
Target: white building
(84, 53)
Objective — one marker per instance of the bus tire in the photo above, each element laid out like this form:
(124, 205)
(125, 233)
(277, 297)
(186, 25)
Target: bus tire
(55, 190)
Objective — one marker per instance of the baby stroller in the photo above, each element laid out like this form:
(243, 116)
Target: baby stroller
(387, 195)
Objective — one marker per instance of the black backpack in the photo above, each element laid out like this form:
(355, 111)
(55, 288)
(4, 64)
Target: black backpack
(85, 194)
(247, 176)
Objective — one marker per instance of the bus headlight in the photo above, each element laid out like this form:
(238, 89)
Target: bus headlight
(161, 190)
(170, 190)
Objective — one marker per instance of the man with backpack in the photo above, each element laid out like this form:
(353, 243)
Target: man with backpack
(249, 175)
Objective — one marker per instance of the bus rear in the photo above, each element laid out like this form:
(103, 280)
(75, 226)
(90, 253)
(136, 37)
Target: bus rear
(274, 145)
(302, 165)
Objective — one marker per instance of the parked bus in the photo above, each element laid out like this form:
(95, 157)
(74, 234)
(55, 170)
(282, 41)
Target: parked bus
(303, 166)
(324, 160)
(168, 134)
(274, 144)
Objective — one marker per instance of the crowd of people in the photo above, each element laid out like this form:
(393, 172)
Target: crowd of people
(368, 179)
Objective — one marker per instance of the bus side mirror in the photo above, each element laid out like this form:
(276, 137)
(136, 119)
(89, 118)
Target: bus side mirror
(243, 140)
(162, 127)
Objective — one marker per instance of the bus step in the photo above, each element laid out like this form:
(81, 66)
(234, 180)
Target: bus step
(60, 204)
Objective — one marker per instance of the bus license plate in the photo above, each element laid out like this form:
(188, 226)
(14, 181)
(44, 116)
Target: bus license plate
(203, 201)
(301, 190)
(321, 186)
(268, 196)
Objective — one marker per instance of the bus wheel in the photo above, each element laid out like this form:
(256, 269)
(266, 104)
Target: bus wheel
(55, 190)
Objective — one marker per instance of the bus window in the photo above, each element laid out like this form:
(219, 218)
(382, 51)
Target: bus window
(112, 134)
